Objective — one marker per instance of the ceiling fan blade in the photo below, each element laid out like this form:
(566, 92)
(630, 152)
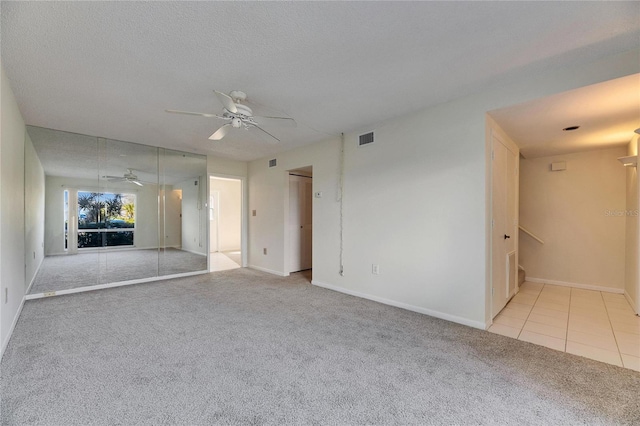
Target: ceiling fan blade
(226, 102)
(275, 121)
(115, 178)
(221, 132)
(202, 114)
(136, 182)
(263, 130)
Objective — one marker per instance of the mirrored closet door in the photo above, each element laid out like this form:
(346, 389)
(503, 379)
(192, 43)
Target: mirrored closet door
(117, 212)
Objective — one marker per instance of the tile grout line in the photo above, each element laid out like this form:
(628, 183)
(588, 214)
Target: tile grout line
(606, 308)
(571, 290)
(531, 310)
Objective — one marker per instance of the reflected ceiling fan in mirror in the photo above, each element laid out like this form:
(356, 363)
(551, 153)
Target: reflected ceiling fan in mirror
(239, 115)
(127, 177)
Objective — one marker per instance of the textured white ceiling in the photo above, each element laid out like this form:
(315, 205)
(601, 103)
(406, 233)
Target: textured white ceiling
(111, 68)
(607, 113)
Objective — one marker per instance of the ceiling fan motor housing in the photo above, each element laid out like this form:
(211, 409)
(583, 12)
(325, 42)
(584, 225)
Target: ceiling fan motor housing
(244, 110)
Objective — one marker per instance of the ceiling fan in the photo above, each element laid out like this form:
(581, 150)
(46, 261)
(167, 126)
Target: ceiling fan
(127, 177)
(238, 115)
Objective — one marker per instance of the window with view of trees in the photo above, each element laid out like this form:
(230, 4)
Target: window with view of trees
(105, 219)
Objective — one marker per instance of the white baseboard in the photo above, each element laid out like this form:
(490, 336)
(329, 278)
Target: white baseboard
(13, 325)
(430, 312)
(268, 271)
(177, 247)
(35, 274)
(576, 285)
(110, 285)
(631, 302)
(111, 249)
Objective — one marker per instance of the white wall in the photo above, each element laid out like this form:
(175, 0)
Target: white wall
(34, 189)
(632, 238)
(229, 212)
(194, 215)
(579, 213)
(12, 218)
(269, 196)
(225, 166)
(146, 232)
(415, 201)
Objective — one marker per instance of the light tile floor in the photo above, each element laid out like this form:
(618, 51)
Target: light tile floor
(220, 262)
(592, 324)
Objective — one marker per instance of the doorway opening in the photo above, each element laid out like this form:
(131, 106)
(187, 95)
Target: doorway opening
(225, 223)
(300, 221)
(576, 230)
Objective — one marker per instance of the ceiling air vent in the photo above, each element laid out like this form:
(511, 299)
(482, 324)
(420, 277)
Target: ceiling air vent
(272, 163)
(365, 139)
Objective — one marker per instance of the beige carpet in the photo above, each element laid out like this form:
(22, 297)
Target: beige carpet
(245, 347)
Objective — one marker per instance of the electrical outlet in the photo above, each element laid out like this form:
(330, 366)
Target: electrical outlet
(6, 294)
(253, 213)
(34, 254)
(264, 250)
(375, 269)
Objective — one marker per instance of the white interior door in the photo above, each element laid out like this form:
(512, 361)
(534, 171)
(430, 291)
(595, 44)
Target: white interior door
(300, 222)
(306, 196)
(504, 223)
(511, 209)
(172, 218)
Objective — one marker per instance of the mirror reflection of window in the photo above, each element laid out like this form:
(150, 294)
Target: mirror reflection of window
(105, 219)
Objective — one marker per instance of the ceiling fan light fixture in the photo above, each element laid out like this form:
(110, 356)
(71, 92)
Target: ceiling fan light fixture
(238, 115)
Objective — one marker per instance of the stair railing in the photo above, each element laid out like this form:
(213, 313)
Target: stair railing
(531, 234)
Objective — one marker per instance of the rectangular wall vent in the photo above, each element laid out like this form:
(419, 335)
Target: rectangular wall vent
(366, 139)
(272, 163)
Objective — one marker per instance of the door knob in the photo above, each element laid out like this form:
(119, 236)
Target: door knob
(506, 236)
